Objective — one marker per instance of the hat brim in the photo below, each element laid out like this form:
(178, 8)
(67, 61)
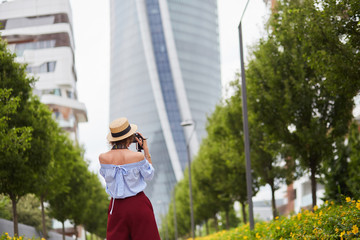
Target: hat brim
(133, 129)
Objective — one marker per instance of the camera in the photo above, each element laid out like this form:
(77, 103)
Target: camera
(138, 147)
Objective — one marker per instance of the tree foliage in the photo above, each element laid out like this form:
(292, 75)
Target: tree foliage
(303, 79)
(95, 219)
(341, 173)
(354, 164)
(36, 156)
(13, 142)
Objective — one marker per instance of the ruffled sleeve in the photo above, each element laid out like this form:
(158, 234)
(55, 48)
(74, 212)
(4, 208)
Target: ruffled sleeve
(102, 172)
(147, 171)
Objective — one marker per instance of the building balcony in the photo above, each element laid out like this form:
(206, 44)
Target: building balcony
(79, 108)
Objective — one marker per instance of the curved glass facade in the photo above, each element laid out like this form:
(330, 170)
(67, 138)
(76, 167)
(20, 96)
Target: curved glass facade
(133, 85)
(195, 28)
(166, 79)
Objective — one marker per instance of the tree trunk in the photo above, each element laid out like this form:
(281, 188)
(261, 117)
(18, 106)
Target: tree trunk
(63, 230)
(15, 219)
(273, 202)
(75, 230)
(313, 185)
(227, 219)
(243, 212)
(216, 223)
(43, 217)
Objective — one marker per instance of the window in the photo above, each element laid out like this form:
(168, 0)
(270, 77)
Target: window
(21, 47)
(23, 22)
(43, 68)
(50, 66)
(69, 94)
(29, 22)
(56, 91)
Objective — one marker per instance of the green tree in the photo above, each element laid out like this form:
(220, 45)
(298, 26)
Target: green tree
(267, 161)
(95, 214)
(225, 134)
(59, 185)
(341, 173)
(17, 169)
(70, 203)
(79, 185)
(14, 141)
(353, 179)
(228, 220)
(30, 213)
(13, 76)
(303, 78)
(5, 207)
(205, 198)
(182, 206)
(54, 177)
(269, 158)
(336, 173)
(41, 153)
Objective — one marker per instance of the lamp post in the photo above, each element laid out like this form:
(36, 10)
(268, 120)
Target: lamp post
(185, 124)
(245, 126)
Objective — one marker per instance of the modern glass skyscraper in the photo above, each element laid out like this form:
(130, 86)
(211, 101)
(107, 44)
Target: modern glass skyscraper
(165, 69)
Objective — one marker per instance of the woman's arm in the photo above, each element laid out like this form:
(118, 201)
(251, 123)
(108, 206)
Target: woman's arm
(146, 151)
(142, 141)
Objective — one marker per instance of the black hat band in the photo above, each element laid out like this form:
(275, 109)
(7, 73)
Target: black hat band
(122, 133)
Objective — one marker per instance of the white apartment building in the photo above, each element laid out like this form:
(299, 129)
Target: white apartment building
(40, 33)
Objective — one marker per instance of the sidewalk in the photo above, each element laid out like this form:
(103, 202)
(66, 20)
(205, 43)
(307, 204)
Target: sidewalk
(27, 231)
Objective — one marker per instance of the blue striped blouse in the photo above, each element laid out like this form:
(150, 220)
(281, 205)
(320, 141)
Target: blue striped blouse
(126, 180)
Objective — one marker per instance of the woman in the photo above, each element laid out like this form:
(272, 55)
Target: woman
(130, 214)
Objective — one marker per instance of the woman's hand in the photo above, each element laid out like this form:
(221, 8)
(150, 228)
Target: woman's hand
(143, 143)
(141, 140)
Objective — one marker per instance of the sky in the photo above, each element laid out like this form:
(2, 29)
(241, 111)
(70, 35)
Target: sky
(91, 25)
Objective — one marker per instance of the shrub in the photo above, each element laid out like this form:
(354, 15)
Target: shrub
(328, 222)
(5, 236)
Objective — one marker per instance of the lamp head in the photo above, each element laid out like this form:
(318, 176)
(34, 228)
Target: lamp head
(187, 123)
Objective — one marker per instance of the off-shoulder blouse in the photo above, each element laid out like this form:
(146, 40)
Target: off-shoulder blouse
(126, 180)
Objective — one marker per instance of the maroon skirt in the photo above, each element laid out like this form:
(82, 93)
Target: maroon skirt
(132, 218)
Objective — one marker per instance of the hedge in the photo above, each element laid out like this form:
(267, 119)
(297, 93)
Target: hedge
(331, 221)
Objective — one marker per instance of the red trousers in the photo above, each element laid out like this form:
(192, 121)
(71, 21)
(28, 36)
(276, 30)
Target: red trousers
(132, 218)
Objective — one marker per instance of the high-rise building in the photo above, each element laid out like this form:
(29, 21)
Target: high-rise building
(40, 33)
(165, 69)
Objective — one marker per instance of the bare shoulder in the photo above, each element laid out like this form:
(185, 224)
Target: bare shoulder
(103, 158)
(138, 156)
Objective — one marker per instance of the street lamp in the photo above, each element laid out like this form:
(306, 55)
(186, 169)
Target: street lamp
(185, 124)
(246, 127)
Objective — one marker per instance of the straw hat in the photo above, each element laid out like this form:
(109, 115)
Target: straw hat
(120, 129)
